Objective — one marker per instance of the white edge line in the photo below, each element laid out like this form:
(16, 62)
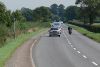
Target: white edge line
(95, 63)
(31, 58)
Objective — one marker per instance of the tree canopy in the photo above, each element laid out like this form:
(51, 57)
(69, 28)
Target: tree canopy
(58, 11)
(27, 13)
(72, 12)
(90, 8)
(42, 14)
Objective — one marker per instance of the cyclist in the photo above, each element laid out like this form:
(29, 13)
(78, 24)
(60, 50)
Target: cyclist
(70, 30)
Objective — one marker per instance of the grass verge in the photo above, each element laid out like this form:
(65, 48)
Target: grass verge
(92, 35)
(7, 50)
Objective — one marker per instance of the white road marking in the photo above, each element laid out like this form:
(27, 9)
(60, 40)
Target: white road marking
(33, 65)
(78, 52)
(71, 45)
(74, 48)
(67, 38)
(94, 63)
(65, 35)
(69, 42)
(84, 56)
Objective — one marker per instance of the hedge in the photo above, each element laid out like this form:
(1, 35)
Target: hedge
(92, 28)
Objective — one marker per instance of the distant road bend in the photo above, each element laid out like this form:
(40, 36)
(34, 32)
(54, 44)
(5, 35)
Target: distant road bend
(73, 50)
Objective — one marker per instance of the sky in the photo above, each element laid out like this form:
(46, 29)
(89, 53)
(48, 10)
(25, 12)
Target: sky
(32, 4)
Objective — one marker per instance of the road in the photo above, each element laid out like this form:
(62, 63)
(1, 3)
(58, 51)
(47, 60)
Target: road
(73, 50)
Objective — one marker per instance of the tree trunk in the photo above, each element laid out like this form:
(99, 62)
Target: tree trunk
(91, 19)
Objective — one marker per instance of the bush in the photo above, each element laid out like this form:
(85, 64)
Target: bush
(3, 34)
(92, 28)
(23, 26)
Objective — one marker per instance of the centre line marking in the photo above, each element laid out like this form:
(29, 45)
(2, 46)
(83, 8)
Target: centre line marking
(71, 45)
(95, 63)
(84, 56)
(74, 48)
(78, 52)
(69, 42)
(67, 38)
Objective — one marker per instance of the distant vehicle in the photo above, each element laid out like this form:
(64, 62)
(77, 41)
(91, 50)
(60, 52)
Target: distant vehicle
(56, 24)
(55, 31)
(61, 22)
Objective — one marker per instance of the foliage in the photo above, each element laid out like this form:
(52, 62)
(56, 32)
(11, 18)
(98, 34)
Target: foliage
(58, 11)
(14, 23)
(92, 35)
(54, 9)
(92, 28)
(10, 46)
(2, 7)
(42, 14)
(5, 23)
(27, 13)
(55, 18)
(3, 34)
(61, 14)
(72, 12)
(90, 8)
(5, 15)
(17, 16)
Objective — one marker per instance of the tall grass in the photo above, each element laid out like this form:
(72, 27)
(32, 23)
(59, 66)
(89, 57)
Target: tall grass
(20, 27)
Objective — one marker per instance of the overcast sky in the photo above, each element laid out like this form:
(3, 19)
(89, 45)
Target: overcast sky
(32, 4)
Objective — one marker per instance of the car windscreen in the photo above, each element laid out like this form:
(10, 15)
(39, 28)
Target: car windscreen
(56, 24)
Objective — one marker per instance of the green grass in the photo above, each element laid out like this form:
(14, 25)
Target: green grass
(96, 24)
(9, 47)
(92, 35)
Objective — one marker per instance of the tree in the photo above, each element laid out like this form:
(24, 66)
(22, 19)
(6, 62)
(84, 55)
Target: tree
(4, 20)
(2, 13)
(2, 7)
(90, 7)
(42, 14)
(55, 18)
(17, 16)
(54, 9)
(8, 18)
(72, 12)
(61, 11)
(58, 11)
(27, 13)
